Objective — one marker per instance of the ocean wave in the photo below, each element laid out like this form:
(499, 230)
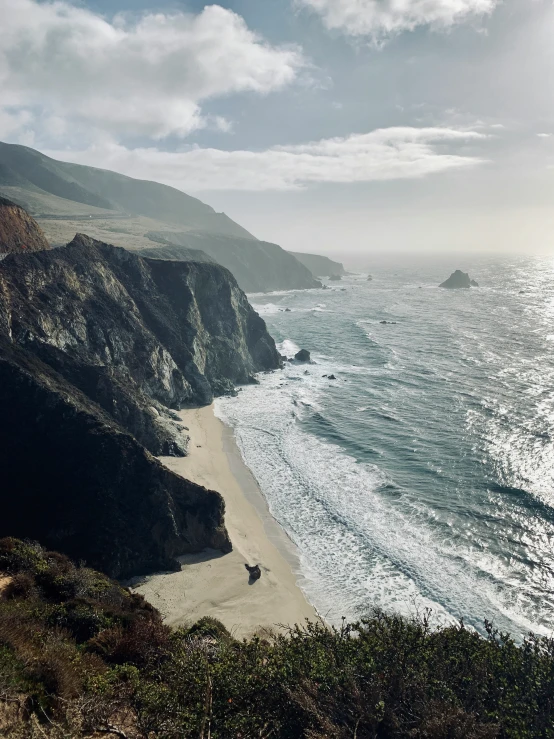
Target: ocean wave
(345, 528)
(423, 474)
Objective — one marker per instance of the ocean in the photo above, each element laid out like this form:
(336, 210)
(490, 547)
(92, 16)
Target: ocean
(421, 478)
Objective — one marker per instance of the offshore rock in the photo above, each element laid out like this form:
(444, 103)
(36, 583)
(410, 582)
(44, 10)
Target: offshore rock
(136, 336)
(302, 356)
(18, 231)
(458, 279)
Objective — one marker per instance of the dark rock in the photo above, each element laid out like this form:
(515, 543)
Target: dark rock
(134, 333)
(302, 356)
(73, 479)
(331, 377)
(458, 279)
(287, 310)
(369, 278)
(255, 572)
(18, 231)
(388, 323)
(474, 283)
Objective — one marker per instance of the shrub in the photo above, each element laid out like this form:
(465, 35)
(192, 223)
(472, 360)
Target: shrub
(85, 656)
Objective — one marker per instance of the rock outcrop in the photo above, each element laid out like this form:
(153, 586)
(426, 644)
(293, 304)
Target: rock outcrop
(302, 356)
(73, 479)
(96, 345)
(136, 336)
(459, 279)
(18, 231)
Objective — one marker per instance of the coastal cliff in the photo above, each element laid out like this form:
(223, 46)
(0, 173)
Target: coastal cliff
(97, 345)
(258, 266)
(143, 214)
(318, 265)
(18, 231)
(73, 479)
(137, 336)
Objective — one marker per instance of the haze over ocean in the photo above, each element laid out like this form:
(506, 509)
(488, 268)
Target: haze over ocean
(423, 475)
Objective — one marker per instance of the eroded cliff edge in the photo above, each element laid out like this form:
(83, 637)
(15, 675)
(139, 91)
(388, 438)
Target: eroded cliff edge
(96, 346)
(18, 231)
(73, 480)
(137, 336)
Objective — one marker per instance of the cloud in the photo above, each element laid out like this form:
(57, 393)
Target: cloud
(380, 19)
(383, 154)
(145, 76)
(544, 135)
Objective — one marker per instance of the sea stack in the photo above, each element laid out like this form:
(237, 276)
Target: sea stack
(459, 279)
(18, 231)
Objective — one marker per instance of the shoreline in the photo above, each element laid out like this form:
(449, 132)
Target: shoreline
(214, 584)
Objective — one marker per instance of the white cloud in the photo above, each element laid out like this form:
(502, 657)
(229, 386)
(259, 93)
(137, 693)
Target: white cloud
(379, 19)
(143, 77)
(383, 154)
(544, 135)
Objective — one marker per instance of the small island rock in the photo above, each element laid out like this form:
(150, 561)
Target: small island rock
(302, 356)
(458, 279)
(255, 571)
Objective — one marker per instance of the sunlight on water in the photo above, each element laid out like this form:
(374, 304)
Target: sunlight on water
(423, 475)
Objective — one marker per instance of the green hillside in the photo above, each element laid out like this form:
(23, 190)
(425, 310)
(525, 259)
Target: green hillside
(137, 214)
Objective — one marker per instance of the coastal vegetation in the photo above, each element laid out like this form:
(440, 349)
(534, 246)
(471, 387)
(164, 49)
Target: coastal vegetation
(80, 656)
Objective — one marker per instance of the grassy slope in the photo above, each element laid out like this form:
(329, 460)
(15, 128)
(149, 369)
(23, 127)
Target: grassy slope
(48, 182)
(69, 198)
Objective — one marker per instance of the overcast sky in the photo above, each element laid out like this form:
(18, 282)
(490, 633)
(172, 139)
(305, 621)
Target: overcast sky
(323, 125)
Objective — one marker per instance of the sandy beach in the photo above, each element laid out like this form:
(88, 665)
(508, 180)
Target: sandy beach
(212, 584)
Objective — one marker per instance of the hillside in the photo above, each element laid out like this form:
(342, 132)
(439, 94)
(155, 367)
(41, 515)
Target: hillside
(318, 265)
(258, 265)
(63, 196)
(96, 345)
(136, 335)
(18, 231)
(73, 478)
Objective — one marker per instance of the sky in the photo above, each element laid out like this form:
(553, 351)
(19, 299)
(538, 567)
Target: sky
(329, 126)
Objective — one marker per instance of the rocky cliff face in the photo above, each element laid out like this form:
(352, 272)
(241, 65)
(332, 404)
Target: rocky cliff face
(18, 231)
(73, 479)
(96, 345)
(136, 336)
(457, 280)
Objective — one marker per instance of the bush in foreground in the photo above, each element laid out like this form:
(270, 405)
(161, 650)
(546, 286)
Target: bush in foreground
(82, 657)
